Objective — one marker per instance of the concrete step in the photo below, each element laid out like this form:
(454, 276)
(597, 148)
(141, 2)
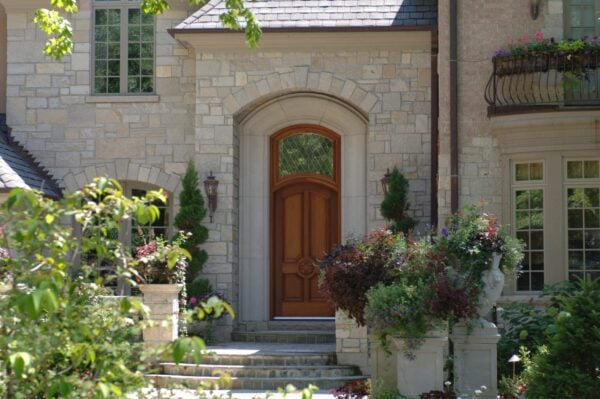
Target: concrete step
(285, 336)
(296, 371)
(163, 380)
(302, 325)
(270, 358)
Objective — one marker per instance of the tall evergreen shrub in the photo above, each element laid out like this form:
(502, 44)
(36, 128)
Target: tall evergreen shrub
(395, 204)
(189, 219)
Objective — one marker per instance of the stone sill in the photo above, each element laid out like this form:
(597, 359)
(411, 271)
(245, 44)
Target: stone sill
(123, 99)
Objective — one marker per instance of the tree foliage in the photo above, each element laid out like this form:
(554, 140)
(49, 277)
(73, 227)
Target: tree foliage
(568, 367)
(189, 219)
(55, 22)
(59, 335)
(395, 204)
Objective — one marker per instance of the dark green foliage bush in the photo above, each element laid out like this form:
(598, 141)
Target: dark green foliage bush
(395, 204)
(524, 325)
(568, 367)
(189, 219)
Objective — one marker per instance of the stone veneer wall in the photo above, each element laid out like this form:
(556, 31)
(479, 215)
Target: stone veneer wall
(484, 26)
(391, 87)
(77, 136)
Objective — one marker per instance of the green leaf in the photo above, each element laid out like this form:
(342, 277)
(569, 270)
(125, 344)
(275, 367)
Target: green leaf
(179, 350)
(49, 218)
(523, 335)
(19, 362)
(103, 390)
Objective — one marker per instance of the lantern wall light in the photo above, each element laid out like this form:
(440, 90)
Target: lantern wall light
(535, 8)
(385, 181)
(211, 184)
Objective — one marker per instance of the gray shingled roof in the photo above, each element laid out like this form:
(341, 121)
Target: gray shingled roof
(298, 14)
(19, 169)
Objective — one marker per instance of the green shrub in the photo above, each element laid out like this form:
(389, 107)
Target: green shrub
(568, 366)
(395, 204)
(527, 326)
(189, 219)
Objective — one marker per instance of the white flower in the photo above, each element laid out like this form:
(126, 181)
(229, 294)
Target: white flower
(483, 388)
(447, 383)
(478, 392)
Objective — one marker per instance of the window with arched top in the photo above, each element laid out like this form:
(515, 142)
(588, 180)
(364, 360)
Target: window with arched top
(305, 150)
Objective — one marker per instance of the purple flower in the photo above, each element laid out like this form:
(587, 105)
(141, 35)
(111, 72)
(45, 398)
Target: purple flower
(444, 232)
(501, 52)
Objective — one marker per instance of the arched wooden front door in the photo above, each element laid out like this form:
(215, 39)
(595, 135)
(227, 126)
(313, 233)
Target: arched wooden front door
(305, 217)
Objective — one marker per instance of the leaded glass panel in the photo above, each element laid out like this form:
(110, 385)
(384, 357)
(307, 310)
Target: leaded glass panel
(306, 153)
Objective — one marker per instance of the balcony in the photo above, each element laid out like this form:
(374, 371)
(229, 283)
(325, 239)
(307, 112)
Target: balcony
(541, 82)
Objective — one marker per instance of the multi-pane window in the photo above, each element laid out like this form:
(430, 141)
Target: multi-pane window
(528, 208)
(123, 61)
(580, 18)
(583, 218)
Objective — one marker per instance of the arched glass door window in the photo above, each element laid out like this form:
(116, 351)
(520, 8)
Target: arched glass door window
(304, 153)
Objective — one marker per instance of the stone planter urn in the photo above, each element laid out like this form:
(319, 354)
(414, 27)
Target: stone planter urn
(493, 280)
(425, 371)
(163, 301)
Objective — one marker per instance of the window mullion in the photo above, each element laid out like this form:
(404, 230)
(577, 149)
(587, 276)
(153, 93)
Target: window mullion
(124, 50)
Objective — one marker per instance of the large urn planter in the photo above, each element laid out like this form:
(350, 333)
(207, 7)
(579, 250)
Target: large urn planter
(423, 370)
(493, 280)
(163, 301)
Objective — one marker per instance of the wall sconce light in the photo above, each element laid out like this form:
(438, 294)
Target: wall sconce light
(210, 187)
(535, 9)
(385, 181)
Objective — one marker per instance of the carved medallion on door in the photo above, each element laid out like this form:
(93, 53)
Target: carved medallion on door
(305, 217)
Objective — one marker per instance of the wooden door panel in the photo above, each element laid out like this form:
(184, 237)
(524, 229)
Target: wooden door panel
(305, 228)
(292, 226)
(320, 224)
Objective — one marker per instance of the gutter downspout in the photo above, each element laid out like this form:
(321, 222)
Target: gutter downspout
(453, 106)
(435, 132)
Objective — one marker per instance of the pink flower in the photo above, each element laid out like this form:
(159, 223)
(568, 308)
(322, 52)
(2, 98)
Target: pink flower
(539, 36)
(193, 300)
(524, 38)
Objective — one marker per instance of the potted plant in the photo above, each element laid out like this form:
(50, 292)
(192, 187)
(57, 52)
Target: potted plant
(410, 288)
(159, 268)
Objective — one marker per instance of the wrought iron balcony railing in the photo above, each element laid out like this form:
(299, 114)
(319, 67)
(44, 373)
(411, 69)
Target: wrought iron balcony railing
(522, 83)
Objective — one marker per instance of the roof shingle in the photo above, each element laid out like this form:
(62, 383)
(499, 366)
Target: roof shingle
(19, 169)
(294, 14)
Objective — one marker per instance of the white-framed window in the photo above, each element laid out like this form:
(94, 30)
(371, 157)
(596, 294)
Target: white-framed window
(528, 216)
(582, 191)
(555, 209)
(123, 48)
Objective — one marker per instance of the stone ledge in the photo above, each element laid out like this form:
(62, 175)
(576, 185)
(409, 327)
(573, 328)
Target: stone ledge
(123, 99)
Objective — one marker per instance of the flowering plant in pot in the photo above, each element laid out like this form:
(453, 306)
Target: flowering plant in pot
(161, 262)
(411, 288)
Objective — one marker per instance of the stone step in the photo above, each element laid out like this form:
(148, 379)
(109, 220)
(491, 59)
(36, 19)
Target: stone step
(270, 359)
(297, 371)
(302, 325)
(163, 380)
(285, 336)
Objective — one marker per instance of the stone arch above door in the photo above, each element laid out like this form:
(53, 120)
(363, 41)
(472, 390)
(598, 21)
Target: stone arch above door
(300, 78)
(254, 128)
